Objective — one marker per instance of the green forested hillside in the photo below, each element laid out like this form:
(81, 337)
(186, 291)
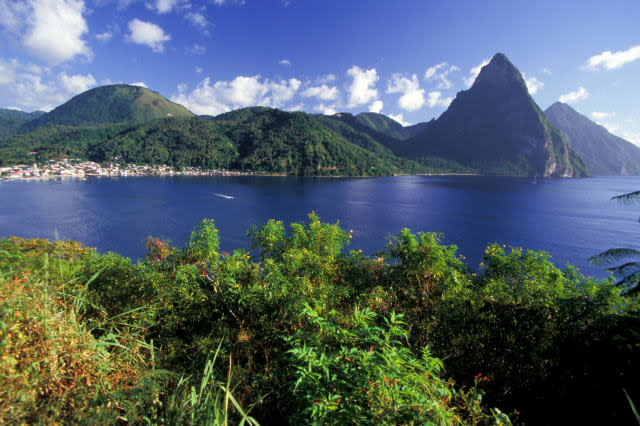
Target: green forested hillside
(603, 152)
(110, 104)
(11, 120)
(251, 139)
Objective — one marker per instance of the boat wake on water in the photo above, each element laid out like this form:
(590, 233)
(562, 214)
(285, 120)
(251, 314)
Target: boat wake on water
(229, 197)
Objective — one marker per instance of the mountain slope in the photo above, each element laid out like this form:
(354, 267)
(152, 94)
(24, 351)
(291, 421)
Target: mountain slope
(602, 152)
(250, 139)
(496, 127)
(11, 120)
(110, 104)
(383, 124)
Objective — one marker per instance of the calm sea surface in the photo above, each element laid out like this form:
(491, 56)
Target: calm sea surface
(572, 219)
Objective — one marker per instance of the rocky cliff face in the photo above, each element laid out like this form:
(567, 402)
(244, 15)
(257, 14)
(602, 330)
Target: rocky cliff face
(497, 127)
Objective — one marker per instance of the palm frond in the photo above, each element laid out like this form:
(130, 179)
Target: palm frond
(614, 254)
(628, 268)
(627, 199)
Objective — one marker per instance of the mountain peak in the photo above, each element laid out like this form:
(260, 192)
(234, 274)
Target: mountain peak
(114, 103)
(501, 73)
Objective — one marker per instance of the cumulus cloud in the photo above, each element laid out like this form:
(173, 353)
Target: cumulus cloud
(139, 84)
(326, 109)
(412, 97)
(546, 70)
(575, 96)
(163, 6)
(399, 118)
(285, 62)
(533, 84)
(602, 115)
(104, 36)
(324, 92)
(199, 70)
(376, 106)
(362, 89)
(439, 73)
(29, 90)
(242, 91)
(612, 60)
(473, 73)
(148, 34)
(436, 99)
(76, 83)
(51, 30)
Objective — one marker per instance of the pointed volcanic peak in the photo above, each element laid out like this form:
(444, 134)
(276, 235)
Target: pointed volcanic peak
(497, 128)
(111, 104)
(604, 154)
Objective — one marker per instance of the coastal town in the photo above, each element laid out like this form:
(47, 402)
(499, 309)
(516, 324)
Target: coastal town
(68, 167)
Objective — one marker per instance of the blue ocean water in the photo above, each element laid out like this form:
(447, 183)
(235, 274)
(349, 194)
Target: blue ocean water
(572, 219)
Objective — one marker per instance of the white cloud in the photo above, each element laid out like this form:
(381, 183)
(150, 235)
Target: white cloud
(362, 89)
(13, 14)
(198, 20)
(326, 109)
(8, 71)
(51, 30)
(242, 91)
(473, 73)
(439, 72)
(197, 49)
(546, 70)
(324, 92)
(575, 96)
(163, 6)
(147, 34)
(199, 70)
(612, 60)
(32, 91)
(602, 115)
(437, 100)
(298, 107)
(139, 84)
(285, 62)
(533, 84)
(76, 83)
(104, 36)
(376, 106)
(327, 78)
(399, 118)
(412, 97)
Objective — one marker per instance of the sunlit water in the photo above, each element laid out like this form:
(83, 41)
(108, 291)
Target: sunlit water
(572, 219)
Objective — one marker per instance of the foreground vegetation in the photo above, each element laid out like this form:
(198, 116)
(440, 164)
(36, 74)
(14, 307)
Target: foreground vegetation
(300, 330)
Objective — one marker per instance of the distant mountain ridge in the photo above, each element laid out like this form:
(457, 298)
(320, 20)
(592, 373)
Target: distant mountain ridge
(602, 152)
(496, 127)
(11, 120)
(110, 104)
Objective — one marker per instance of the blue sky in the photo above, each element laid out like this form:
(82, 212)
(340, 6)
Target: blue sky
(406, 59)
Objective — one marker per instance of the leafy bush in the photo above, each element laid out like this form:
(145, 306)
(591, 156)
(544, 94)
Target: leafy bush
(306, 326)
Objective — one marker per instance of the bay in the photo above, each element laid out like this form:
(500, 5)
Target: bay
(572, 219)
